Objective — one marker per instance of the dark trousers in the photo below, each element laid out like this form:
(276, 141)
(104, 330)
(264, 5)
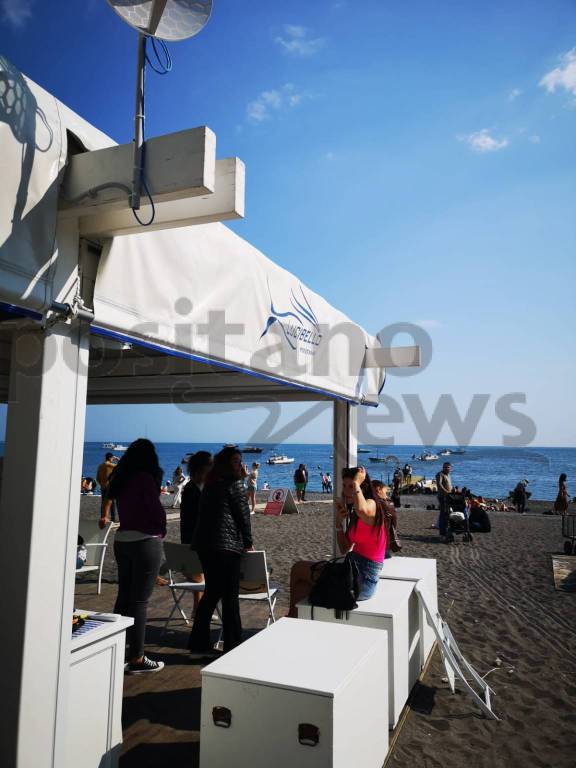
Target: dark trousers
(138, 563)
(443, 506)
(222, 577)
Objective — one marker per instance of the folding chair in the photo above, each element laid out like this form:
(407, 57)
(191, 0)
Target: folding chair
(255, 582)
(180, 559)
(96, 543)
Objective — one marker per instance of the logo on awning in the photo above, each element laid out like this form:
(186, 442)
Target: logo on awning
(299, 323)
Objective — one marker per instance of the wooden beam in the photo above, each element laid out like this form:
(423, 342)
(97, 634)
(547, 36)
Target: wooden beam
(178, 165)
(225, 203)
(393, 357)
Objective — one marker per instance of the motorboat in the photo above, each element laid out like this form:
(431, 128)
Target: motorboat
(363, 450)
(115, 446)
(458, 452)
(445, 452)
(276, 459)
(377, 459)
(251, 449)
(427, 456)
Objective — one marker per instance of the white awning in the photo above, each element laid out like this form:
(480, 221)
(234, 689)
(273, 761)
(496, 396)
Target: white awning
(173, 289)
(206, 292)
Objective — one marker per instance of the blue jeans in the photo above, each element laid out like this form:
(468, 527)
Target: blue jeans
(369, 571)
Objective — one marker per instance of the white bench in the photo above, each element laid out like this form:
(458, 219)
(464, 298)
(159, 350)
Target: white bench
(393, 610)
(423, 570)
(300, 694)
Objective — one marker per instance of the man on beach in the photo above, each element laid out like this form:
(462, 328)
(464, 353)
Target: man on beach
(103, 479)
(444, 486)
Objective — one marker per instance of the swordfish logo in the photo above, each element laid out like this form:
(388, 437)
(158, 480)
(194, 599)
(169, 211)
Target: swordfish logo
(299, 323)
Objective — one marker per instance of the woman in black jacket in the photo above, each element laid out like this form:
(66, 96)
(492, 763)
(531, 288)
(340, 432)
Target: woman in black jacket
(222, 535)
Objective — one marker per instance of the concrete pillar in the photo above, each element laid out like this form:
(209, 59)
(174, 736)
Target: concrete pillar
(345, 438)
(39, 509)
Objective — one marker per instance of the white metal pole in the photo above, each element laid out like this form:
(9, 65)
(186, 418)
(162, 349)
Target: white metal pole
(39, 510)
(345, 439)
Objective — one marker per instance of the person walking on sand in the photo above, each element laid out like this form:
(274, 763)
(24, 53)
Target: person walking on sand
(444, 486)
(253, 487)
(135, 486)
(178, 483)
(329, 488)
(222, 535)
(103, 478)
(300, 478)
(562, 500)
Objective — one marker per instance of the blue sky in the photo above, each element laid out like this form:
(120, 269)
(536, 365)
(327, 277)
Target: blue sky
(412, 162)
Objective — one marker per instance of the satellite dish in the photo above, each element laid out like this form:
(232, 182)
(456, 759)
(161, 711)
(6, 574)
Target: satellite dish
(165, 19)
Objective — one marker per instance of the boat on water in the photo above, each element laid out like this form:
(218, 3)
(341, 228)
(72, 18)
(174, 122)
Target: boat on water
(276, 459)
(363, 450)
(377, 459)
(445, 452)
(427, 456)
(115, 446)
(251, 449)
(458, 452)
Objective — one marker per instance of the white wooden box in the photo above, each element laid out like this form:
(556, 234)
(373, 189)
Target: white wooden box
(416, 569)
(294, 673)
(94, 723)
(392, 610)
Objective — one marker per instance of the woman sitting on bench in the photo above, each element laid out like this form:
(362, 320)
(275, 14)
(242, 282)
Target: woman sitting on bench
(360, 529)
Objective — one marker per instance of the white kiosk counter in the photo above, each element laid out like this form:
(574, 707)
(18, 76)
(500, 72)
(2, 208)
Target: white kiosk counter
(94, 725)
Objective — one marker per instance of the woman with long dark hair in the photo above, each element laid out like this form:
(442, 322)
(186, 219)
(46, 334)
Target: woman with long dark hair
(361, 531)
(562, 499)
(222, 534)
(135, 486)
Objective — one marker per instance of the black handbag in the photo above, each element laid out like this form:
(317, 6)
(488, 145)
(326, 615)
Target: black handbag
(337, 586)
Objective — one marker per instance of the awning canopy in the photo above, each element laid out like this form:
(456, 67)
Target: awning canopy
(200, 292)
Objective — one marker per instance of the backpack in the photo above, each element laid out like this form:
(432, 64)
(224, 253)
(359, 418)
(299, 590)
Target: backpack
(337, 586)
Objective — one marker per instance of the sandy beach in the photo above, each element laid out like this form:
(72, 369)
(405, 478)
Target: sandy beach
(499, 598)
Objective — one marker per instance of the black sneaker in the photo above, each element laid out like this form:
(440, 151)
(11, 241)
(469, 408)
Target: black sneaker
(144, 667)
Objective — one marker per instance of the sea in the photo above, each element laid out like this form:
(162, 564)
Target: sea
(490, 471)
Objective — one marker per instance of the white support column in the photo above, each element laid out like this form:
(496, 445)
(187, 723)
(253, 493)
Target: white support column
(345, 439)
(39, 510)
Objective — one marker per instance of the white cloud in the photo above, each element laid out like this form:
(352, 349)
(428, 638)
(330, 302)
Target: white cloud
(482, 141)
(272, 102)
(296, 41)
(514, 93)
(535, 139)
(563, 76)
(16, 12)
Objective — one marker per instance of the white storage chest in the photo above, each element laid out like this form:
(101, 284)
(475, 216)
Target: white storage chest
(390, 609)
(298, 694)
(416, 569)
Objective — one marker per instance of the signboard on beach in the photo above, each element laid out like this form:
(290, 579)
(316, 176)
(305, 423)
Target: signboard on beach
(280, 500)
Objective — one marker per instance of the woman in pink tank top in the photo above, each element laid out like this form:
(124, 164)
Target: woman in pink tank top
(361, 528)
(362, 531)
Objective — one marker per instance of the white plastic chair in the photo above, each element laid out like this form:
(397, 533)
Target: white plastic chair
(96, 543)
(255, 582)
(180, 559)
